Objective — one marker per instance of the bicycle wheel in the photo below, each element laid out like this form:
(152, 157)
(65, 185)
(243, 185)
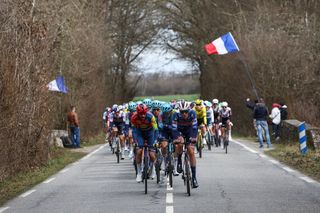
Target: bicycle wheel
(209, 141)
(170, 170)
(118, 151)
(226, 144)
(145, 174)
(188, 176)
(199, 146)
(158, 163)
(226, 147)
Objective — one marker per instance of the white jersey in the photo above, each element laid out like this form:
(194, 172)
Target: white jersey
(210, 115)
(117, 119)
(225, 113)
(105, 115)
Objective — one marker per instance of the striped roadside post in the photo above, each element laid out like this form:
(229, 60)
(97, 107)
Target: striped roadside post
(303, 138)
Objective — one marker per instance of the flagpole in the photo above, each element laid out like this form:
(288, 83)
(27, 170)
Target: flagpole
(248, 72)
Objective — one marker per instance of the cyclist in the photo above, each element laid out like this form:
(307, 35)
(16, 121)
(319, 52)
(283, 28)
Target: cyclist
(117, 119)
(145, 130)
(225, 119)
(131, 109)
(148, 102)
(105, 118)
(184, 123)
(201, 113)
(216, 109)
(166, 132)
(210, 117)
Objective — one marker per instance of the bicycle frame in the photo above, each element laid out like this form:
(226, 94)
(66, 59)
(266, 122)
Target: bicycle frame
(186, 174)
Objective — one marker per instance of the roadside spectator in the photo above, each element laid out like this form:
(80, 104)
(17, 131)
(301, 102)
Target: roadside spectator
(73, 123)
(251, 106)
(276, 120)
(261, 113)
(284, 112)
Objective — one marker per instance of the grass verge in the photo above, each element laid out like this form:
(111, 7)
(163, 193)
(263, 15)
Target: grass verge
(13, 186)
(99, 139)
(308, 164)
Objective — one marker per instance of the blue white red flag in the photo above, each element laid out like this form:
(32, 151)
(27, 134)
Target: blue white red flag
(58, 85)
(223, 45)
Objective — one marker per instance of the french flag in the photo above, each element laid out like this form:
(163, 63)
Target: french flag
(58, 85)
(223, 45)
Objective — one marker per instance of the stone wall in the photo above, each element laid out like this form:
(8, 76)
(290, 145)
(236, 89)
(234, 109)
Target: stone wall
(290, 134)
(54, 139)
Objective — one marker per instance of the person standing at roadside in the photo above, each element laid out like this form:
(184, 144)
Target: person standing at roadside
(261, 113)
(276, 120)
(73, 123)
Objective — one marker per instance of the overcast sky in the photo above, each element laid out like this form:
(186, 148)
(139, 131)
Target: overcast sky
(154, 60)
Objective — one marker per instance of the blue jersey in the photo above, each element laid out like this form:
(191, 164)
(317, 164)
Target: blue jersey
(187, 126)
(167, 119)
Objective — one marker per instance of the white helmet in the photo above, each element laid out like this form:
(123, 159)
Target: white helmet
(183, 105)
(120, 107)
(224, 104)
(215, 101)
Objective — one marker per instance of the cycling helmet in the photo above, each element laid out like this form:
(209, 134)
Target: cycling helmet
(156, 104)
(166, 108)
(184, 106)
(131, 106)
(147, 102)
(224, 104)
(198, 102)
(114, 107)
(120, 108)
(215, 101)
(208, 104)
(139, 102)
(142, 109)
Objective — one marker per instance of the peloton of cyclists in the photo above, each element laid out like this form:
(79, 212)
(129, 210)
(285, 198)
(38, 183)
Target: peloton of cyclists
(149, 121)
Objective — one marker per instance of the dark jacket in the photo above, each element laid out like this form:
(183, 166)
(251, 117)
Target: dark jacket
(260, 112)
(250, 105)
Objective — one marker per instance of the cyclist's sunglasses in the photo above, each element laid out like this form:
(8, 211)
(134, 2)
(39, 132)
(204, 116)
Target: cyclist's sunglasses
(184, 111)
(156, 109)
(198, 104)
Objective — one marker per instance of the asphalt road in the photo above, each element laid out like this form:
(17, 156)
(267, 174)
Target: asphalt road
(244, 180)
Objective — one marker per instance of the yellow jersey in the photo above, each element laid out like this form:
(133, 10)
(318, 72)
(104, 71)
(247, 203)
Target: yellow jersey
(201, 115)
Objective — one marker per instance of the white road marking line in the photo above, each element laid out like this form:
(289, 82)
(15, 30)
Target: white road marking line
(169, 199)
(49, 180)
(3, 209)
(288, 169)
(244, 146)
(307, 179)
(63, 171)
(169, 209)
(27, 193)
(92, 153)
(250, 150)
(274, 161)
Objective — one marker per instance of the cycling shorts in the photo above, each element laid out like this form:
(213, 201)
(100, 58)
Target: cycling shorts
(200, 121)
(225, 122)
(148, 136)
(165, 134)
(120, 127)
